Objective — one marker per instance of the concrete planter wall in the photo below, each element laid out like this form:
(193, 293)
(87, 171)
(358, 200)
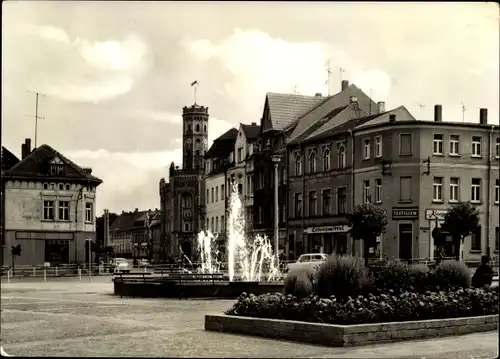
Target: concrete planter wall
(349, 335)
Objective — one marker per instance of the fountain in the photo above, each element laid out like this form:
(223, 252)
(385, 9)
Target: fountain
(248, 258)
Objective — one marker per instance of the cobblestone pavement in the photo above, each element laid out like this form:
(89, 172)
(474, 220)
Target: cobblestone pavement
(78, 318)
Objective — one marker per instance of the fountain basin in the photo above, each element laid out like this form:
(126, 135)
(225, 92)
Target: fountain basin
(168, 287)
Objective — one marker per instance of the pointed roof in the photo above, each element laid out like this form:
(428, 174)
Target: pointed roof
(285, 108)
(128, 221)
(223, 145)
(401, 112)
(331, 104)
(37, 164)
(251, 132)
(9, 160)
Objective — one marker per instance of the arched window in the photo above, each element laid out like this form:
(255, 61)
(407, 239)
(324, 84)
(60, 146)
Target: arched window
(189, 128)
(341, 156)
(197, 152)
(326, 160)
(187, 200)
(312, 162)
(197, 128)
(205, 128)
(298, 165)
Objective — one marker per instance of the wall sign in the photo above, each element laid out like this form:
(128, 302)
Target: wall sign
(343, 228)
(431, 214)
(404, 212)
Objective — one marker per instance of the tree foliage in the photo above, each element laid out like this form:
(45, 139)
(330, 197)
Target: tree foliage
(16, 250)
(461, 220)
(367, 221)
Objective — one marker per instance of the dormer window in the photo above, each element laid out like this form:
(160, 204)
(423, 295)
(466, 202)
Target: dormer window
(56, 167)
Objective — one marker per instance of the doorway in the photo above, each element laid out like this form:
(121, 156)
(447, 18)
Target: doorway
(405, 231)
(186, 249)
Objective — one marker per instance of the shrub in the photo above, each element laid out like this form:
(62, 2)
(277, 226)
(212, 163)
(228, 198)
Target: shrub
(418, 275)
(369, 309)
(342, 276)
(450, 275)
(390, 275)
(299, 283)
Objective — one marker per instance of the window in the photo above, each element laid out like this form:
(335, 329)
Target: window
(454, 145)
(208, 223)
(366, 191)
(312, 203)
(341, 155)
(212, 195)
(260, 215)
(216, 224)
(222, 193)
(45, 186)
(476, 146)
(366, 149)
(327, 200)
(312, 162)
(240, 154)
(222, 224)
(326, 160)
(240, 188)
(497, 191)
(378, 146)
(405, 144)
(475, 240)
(454, 188)
(48, 210)
(208, 196)
(405, 189)
(68, 187)
(61, 186)
(298, 165)
(216, 193)
(437, 192)
(298, 204)
(213, 224)
(497, 238)
(437, 146)
(497, 148)
(341, 200)
(282, 212)
(64, 210)
(57, 170)
(475, 195)
(378, 190)
(89, 212)
(187, 200)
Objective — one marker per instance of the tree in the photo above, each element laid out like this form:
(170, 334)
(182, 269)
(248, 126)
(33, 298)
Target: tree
(461, 220)
(15, 251)
(367, 222)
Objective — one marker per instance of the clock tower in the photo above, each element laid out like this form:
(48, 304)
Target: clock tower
(195, 137)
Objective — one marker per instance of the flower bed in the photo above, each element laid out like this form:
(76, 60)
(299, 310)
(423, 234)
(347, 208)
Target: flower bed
(390, 307)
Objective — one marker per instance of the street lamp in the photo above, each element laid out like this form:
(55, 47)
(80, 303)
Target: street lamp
(276, 160)
(90, 258)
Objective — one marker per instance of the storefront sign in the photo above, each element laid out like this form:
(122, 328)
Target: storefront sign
(431, 214)
(343, 228)
(405, 213)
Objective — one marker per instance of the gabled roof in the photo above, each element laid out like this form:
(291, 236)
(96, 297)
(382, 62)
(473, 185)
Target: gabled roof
(9, 160)
(223, 145)
(128, 221)
(37, 163)
(285, 108)
(401, 112)
(251, 132)
(330, 104)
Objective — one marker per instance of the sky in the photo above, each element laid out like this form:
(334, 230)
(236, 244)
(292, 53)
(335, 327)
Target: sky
(115, 75)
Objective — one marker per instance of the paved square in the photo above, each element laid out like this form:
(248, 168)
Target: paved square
(75, 318)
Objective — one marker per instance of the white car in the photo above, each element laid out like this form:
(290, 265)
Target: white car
(121, 265)
(307, 261)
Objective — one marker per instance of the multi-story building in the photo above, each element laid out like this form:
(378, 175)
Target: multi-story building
(242, 170)
(416, 170)
(183, 196)
(48, 208)
(218, 159)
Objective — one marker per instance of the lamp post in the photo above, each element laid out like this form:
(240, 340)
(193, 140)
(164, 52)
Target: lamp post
(276, 160)
(89, 240)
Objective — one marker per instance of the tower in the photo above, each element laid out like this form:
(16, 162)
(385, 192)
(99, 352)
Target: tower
(195, 136)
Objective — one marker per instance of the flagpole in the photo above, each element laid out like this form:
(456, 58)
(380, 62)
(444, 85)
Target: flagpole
(195, 86)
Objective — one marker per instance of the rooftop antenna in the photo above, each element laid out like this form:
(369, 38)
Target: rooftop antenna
(194, 85)
(463, 112)
(328, 76)
(37, 94)
(371, 96)
(294, 89)
(341, 77)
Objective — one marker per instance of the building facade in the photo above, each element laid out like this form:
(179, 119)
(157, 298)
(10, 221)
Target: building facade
(183, 196)
(48, 208)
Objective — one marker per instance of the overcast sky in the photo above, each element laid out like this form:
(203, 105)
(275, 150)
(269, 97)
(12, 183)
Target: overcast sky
(117, 74)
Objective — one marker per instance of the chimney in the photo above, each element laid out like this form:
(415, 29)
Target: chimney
(438, 113)
(344, 85)
(380, 107)
(23, 151)
(318, 94)
(392, 117)
(28, 145)
(353, 99)
(254, 123)
(136, 210)
(483, 116)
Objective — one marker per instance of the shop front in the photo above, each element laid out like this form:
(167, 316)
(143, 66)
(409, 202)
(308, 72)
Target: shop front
(327, 239)
(405, 218)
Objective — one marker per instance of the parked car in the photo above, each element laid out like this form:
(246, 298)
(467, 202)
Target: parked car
(144, 263)
(307, 261)
(121, 265)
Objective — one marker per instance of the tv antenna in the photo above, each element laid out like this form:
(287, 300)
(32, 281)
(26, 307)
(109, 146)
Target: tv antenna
(36, 117)
(463, 112)
(295, 91)
(328, 76)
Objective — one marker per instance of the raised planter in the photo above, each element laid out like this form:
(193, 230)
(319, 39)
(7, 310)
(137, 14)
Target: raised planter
(349, 335)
